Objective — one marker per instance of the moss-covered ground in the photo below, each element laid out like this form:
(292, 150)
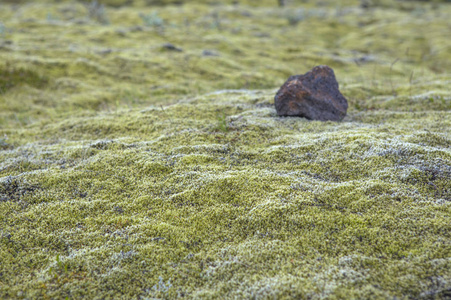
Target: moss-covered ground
(134, 169)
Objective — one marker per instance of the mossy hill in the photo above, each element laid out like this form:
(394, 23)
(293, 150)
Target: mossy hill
(134, 169)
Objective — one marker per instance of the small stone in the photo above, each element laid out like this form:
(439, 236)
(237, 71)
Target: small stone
(122, 32)
(104, 51)
(314, 96)
(209, 53)
(171, 47)
(136, 28)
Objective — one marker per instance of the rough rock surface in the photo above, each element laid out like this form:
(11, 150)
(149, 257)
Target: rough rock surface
(314, 96)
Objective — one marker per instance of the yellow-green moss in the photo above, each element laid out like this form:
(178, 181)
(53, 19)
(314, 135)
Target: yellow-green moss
(129, 170)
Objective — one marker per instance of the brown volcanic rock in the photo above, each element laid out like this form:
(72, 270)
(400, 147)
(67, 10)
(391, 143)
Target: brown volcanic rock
(314, 96)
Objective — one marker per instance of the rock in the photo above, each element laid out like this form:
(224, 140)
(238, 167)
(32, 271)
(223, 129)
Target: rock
(171, 47)
(121, 32)
(209, 53)
(104, 51)
(136, 28)
(314, 96)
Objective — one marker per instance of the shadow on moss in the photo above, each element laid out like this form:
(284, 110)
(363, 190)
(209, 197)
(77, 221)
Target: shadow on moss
(13, 189)
(11, 77)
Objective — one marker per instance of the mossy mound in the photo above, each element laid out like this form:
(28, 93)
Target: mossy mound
(10, 77)
(139, 172)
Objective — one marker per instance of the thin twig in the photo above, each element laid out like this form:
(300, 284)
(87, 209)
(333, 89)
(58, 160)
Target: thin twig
(391, 69)
(170, 120)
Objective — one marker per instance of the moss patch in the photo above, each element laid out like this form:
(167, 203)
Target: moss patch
(141, 172)
(10, 78)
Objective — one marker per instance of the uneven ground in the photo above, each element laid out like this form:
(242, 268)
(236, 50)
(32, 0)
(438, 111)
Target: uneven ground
(133, 169)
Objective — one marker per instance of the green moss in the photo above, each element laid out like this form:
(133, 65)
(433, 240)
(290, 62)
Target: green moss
(11, 77)
(306, 208)
(140, 173)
